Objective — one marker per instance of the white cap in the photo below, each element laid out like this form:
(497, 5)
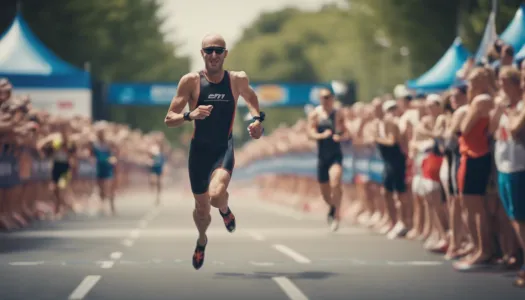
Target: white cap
(435, 98)
(401, 91)
(389, 104)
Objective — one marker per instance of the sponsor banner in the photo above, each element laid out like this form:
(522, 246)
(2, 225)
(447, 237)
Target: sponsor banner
(41, 169)
(62, 102)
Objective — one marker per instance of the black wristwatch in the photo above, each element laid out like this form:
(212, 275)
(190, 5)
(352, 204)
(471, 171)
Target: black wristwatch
(187, 116)
(261, 117)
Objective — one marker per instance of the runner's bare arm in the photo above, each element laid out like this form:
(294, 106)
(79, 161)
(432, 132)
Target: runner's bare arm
(312, 126)
(340, 128)
(245, 90)
(175, 117)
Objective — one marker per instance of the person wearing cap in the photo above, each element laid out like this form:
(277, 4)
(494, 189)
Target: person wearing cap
(388, 140)
(426, 183)
(326, 126)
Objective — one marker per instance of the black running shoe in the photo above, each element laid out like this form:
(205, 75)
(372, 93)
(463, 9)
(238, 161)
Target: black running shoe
(331, 215)
(198, 255)
(229, 220)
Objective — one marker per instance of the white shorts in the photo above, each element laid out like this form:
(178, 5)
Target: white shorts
(423, 186)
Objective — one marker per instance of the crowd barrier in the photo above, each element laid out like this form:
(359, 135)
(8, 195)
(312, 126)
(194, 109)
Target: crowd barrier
(357, 161)
(12, 173)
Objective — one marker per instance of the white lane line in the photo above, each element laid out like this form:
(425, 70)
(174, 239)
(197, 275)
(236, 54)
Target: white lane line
(115, 255)
(108, 264)
(128, 242)
(134, 234)
(262, 264)
(289, 288)
(84, 287)
(256, 236)
(26, 263)
(414, 263)
(293, 254)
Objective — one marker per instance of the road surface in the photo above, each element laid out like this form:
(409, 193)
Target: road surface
(276, 253)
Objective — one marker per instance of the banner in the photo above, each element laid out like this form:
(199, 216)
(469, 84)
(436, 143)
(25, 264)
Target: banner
(365, 162)
(60, 102)
(269, 94)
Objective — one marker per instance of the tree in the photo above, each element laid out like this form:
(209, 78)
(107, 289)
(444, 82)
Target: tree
(361, 43)
(121, 38)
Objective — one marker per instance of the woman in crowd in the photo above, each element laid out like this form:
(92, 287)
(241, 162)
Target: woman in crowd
(509, 124)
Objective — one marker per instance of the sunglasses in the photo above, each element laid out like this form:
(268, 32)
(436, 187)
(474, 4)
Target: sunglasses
(210, 50)
(326, 97)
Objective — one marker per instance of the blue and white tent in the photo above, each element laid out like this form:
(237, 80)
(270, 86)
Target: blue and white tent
(514, 34)
(53, 84)
(443, 74)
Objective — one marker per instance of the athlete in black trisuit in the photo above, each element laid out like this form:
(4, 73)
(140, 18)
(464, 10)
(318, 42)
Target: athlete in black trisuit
(212, 98)
(327, 127)
(388, 143)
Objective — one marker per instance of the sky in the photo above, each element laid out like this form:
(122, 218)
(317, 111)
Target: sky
(190, 20)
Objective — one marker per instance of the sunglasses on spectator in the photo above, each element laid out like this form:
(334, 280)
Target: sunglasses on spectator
(210, 50)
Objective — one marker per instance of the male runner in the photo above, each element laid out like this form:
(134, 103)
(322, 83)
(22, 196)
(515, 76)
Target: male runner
(104, 153)
(156, 168)
(327, 126)
(212, 98)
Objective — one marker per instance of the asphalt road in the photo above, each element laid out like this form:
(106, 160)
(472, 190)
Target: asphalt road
(276, 253)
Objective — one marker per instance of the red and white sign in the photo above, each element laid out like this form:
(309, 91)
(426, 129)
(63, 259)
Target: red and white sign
(64, 102)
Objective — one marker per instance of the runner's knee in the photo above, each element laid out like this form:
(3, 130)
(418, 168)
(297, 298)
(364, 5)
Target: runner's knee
(217, 191)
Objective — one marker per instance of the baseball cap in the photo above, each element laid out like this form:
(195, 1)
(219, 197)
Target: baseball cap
(387, 105)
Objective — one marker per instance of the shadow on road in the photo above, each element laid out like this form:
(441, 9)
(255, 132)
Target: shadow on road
(17, 245)
(269, 275)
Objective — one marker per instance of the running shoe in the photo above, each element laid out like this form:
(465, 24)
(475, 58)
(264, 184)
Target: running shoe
(198, 255)
(229, 220)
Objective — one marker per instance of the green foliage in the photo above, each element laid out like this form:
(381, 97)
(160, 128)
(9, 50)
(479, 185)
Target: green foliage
(342, 43)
